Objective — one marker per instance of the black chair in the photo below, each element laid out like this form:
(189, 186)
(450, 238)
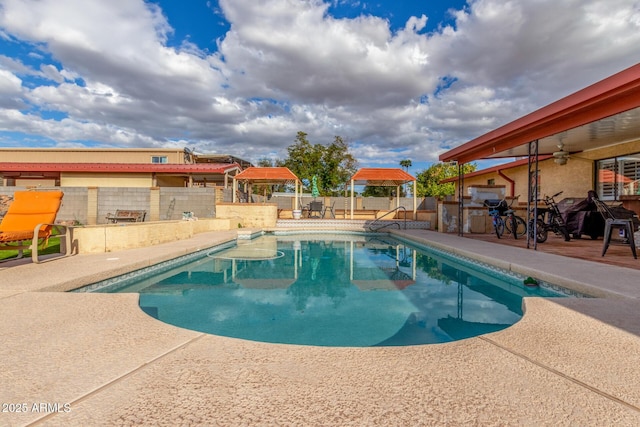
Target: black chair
(315, 207)
(613, 223)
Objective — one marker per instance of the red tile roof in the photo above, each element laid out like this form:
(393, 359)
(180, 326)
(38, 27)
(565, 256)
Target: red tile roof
(267, 175)
(381, 177)
(211, 168)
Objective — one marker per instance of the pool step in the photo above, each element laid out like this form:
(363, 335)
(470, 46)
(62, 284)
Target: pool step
(345, 224)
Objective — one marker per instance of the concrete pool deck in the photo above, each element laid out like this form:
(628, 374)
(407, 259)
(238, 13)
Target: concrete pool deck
(77, 359)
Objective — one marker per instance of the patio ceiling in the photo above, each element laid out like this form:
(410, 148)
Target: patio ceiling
(600, 133)
(603, 114)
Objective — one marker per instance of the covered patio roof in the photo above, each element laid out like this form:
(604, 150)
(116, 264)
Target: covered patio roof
(605, 113)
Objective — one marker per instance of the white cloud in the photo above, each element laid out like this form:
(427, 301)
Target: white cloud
(9, 83)
(288, 66)
(10, 90)
(52, 73)
(299, 53)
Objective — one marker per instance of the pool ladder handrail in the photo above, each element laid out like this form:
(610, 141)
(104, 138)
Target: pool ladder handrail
(391, 223)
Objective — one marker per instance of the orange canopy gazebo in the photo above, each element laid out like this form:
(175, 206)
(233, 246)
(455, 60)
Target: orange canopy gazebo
(384, 177)
(266, 176)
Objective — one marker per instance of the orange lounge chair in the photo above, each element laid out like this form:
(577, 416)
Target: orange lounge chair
(30, 222)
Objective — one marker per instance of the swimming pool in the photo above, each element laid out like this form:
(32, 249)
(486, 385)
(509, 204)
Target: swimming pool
(353, 290)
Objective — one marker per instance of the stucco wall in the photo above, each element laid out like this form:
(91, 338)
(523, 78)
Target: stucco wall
(622, 149)
(170, 181)
(115, 237)
(574, 179)
(249, 214)
(105, 180)
(89, 155)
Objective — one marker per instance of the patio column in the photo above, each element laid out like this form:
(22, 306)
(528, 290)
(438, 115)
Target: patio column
(460, 198)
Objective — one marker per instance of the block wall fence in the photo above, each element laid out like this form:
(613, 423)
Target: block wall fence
(90, 205)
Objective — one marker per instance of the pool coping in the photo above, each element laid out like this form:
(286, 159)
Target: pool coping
(573, 362)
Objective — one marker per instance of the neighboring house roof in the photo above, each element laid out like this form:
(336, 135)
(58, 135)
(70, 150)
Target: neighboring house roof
(498, 168)
(267, 175)
(221, 158)
(381, 177)
(206, 168)
(602, 114)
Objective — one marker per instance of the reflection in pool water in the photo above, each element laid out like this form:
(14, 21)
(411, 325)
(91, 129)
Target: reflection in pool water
(342, 290)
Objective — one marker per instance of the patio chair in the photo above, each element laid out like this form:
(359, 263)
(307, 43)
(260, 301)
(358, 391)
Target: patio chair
(317, 208)
(329, 209)
(30, 222)
(611, 222)
(242, 197)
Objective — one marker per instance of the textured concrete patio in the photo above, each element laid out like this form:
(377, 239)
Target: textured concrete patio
(96, 359)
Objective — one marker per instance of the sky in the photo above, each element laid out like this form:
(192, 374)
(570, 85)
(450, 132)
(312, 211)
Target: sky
(396, 79)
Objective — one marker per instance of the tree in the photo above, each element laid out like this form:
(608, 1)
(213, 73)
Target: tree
(378, 191)
(265, 163)
(429, 184)
(405, 164)
(333, 165)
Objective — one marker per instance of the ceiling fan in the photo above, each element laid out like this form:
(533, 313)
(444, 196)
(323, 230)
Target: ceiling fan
(561, 157)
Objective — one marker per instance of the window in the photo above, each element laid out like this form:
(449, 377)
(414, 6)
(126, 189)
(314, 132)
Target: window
(159, 159)
(618, 176)
(491, 181)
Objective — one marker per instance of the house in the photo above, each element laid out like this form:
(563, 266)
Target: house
(115, 167)
(589, 140)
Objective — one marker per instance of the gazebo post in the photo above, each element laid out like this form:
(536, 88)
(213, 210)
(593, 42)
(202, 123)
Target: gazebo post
(296, 201)
(415, 202)
(351, 198)
(234, 191)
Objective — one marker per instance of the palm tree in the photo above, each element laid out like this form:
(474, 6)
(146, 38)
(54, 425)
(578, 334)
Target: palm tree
(405, 164)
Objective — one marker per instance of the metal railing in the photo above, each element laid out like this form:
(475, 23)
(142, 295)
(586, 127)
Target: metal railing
(389, 224)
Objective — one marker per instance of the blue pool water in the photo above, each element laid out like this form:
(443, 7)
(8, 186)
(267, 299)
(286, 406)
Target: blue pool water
(339, 290)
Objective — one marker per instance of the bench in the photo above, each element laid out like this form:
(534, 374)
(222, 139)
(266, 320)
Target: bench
(123, 215)
(358, 213)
